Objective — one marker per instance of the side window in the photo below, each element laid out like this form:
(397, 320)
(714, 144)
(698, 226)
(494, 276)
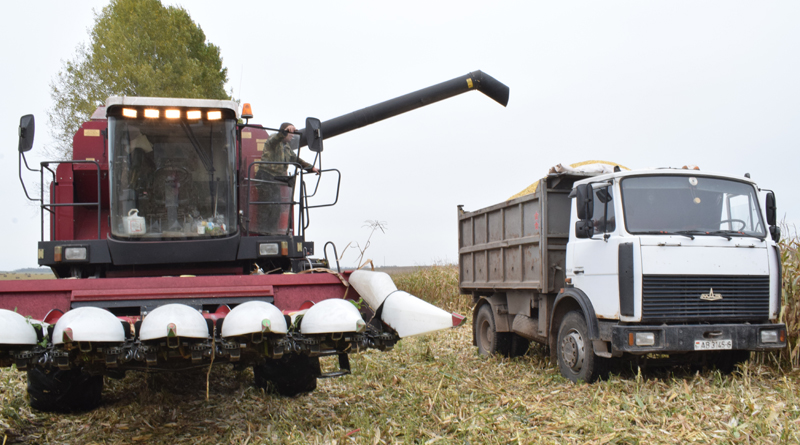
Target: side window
(603, 218)
(739, 214)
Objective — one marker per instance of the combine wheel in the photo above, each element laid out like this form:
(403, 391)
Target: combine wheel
(289, 375)
(576, 358)
(64, 391)
(489, 341)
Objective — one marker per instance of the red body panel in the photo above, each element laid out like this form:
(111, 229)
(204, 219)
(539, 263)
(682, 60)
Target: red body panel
(36, 298)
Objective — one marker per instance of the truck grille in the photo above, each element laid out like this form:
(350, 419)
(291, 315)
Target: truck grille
(677, 298)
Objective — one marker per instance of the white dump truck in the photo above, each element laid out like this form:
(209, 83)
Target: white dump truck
(677, 265)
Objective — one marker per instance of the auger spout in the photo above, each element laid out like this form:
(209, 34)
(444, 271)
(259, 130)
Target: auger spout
(476, 80)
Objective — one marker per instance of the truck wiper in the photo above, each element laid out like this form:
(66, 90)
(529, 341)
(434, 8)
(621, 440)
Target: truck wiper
(728, 233)
(723, 233)
(665, 232)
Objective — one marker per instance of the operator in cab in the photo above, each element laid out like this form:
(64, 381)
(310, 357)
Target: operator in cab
(279, 150)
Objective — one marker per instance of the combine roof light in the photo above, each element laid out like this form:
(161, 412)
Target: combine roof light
(172, 114)
(129, 112)
(247, 111)
(214, 115)
(151, 113)
(194, 114)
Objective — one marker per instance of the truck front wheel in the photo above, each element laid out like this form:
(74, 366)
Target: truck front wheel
(487, 338)
(576, 359)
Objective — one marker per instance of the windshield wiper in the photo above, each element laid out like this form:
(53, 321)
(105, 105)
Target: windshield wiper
(723, 233)
(664, 232)
(728, 233)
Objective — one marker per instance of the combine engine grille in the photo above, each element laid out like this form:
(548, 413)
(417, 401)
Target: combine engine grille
(677, 298)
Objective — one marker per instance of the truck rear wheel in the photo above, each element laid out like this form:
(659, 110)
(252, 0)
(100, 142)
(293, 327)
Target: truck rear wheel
(489, 341)
(289, 375)
(576, 358)
(64, 391)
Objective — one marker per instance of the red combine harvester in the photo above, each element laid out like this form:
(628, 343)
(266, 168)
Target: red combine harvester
(162, 223)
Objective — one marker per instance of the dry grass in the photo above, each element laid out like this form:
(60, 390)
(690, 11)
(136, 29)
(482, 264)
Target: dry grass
(25, 276)
(431, 389)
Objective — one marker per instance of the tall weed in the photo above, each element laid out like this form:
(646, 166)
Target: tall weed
(790, 312)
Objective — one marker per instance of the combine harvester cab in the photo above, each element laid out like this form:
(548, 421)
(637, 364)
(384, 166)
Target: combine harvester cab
(161, 221)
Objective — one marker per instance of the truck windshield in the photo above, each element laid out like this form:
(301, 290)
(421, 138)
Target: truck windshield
(691, 205)
(172, 179)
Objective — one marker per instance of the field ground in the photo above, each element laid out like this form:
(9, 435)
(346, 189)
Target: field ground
(431, 389)
(436, 389)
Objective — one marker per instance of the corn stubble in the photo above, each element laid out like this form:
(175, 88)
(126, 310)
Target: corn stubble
(436, 389)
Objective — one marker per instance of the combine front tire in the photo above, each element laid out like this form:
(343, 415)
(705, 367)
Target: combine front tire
(64, 391)
(576, 359)
(289, 375)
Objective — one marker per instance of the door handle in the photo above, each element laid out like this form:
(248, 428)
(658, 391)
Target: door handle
(578, 270)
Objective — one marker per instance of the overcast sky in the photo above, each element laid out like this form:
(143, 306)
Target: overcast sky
(644, 84)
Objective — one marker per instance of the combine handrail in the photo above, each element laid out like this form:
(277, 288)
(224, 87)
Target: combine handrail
(46, 166)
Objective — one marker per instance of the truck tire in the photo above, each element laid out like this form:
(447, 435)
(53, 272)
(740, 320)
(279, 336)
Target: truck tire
(576, 358)
(726, 361)
(519, 346)
(64, 391)
(489, 341)
(289, 375)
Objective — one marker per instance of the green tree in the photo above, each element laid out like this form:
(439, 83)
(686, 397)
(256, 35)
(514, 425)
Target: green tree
(136, 48)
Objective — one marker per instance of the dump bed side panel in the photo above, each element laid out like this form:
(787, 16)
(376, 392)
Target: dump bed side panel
(518, 244)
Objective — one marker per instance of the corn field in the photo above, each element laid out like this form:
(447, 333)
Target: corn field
(790, 312)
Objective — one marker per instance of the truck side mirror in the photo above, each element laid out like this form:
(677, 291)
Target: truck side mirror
(584, 228)
(27, 127)
(313, 134)
(772, 209)
(585, 196)
(775, 233)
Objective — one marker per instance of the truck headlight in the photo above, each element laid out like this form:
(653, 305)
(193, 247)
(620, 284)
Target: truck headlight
(75, 254)
(770, 336)
(265, 249)
(645, 339)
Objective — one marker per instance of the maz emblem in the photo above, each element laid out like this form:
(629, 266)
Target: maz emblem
(711, 296)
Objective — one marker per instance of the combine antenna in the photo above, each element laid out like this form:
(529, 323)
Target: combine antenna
(241, 75)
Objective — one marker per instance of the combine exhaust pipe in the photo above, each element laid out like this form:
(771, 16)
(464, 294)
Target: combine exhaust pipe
(476, 80)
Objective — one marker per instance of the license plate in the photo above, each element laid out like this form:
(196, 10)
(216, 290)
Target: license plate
(706, 345)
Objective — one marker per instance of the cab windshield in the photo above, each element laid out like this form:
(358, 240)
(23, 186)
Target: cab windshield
(172, 179)
(690, 205)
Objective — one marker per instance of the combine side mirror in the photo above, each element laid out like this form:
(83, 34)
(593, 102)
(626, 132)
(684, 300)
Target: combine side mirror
(27, 127)
(772, 209)
(585, 196)
(313, 134)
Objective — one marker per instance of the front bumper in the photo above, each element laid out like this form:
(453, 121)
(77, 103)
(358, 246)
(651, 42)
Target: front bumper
(682, 338)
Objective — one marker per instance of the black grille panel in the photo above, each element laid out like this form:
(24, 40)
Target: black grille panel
(677, 298)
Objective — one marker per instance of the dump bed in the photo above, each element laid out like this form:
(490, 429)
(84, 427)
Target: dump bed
(518, 244)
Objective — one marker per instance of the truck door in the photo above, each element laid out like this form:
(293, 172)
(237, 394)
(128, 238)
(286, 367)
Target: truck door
(595, 266)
